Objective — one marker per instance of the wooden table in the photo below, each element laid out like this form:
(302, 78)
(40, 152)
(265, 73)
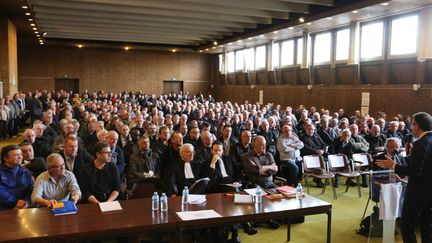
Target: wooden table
(39, 224)
(236, 213)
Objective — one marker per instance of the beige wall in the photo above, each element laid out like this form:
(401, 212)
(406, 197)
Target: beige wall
(8, 56)
(111, 69)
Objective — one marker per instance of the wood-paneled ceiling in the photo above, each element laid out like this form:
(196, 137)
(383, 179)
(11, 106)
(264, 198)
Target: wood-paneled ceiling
(190, 24)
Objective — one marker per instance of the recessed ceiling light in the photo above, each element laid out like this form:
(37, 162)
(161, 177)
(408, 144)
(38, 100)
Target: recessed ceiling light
(275, 32)
(37, 35)
(45, 33)
(230, 43)
(24, 7)
(301, 20)
(28, 14)
(34, 28)
(309, 23)
(239, 41)
(200, 50)
(126, 48)
(355, 11)
(79, 46)
(250, 38)
(173, 50)
(261, 35)
(36, 32)
(32, 24)
(385, 4)
(221, 46)
(214, 47)
(30, 20)
(291, 28)
(329, 18)
(207, 49)
(41, 43)
(215, 43)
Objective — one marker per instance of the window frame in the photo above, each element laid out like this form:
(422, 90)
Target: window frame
(265, 56)
(335, 44)
(332, 50)
(384, 41)
(389, 41)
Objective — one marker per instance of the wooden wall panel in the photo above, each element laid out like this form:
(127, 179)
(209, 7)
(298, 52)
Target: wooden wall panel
(289, 76)
(303, 76)
(403, 73)
(322, 75)
(111, 69)
(428, 71)
(346, 74)
(371, 74)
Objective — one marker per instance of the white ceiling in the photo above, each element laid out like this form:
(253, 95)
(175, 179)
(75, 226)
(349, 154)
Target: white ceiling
(198, 23)
(175, 22)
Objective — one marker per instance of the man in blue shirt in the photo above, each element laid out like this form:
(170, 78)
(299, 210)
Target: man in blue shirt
(16, 182)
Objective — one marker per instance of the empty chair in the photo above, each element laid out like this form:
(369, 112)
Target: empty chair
(144, 189)
(339, 165)
(314, 166)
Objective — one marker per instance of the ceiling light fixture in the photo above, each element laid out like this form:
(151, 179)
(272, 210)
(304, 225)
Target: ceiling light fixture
(291, 28)
(34, 28)
(221, 46)
(126, 48)
(302, 20)
(239, 41)
(200, 50)
(230, 43)
(214, 47)
(250, 38)
(36, 32)
(261, 35)
(32, 24)
(173, 50)
(355, 11)
(384, 4)
(275, 32)
(309, 23)
(37, 35)
(215, 43)
(28, 14)
(30, 20)
(207, 49)
(24, 7)
(329, 18)
(80, 46)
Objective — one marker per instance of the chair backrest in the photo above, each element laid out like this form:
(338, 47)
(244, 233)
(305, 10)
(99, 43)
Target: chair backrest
(313, 162)
(338, 162)
(144, 189)
(362, 160)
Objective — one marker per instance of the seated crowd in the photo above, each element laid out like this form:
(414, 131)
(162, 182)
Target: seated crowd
(96, 146)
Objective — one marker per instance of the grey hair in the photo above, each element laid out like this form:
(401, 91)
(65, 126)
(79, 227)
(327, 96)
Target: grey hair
(51, 158)
(184, 146)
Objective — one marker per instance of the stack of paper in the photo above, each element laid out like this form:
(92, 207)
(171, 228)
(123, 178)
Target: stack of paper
(196, 199)
(252, 191)
(110, 206)
(200, 214)
(243, 199)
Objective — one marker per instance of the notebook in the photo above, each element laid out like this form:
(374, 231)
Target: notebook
(110, 206)
(64, 208)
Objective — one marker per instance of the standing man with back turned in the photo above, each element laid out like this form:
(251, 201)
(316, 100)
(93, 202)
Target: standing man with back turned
(417, 206)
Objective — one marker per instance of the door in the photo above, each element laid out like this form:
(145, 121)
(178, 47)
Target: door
(172, 86)
(67, 84)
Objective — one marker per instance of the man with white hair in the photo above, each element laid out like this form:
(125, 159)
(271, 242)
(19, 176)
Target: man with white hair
(185, 173)
(117, 156)
(56, 184)
(392, 131)
(40, 146)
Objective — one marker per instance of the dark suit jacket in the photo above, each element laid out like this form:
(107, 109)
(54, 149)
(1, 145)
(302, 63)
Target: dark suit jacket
(216, 178)
(177, 180)
(82, 158)
(419, 171)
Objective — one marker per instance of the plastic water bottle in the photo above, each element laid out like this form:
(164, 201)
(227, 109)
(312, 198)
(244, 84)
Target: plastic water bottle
(185, 195)
(155, 201)
(299, 191)
(163, 202)
(258, 195)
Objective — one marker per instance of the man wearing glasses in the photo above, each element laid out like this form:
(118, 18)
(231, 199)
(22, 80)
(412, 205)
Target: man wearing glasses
(56, 184)
(100, 180)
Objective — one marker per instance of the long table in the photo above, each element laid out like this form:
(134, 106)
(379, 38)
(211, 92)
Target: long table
(39, 224)
(236, 213)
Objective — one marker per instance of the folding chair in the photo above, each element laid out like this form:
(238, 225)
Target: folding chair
(314, 166)
(339, 164)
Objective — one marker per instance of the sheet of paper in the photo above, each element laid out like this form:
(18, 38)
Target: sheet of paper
(110, 206)
(196, 199)
(336, 161)
(252, 191)
(200, 214)
(243, 199)
(365, 99)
